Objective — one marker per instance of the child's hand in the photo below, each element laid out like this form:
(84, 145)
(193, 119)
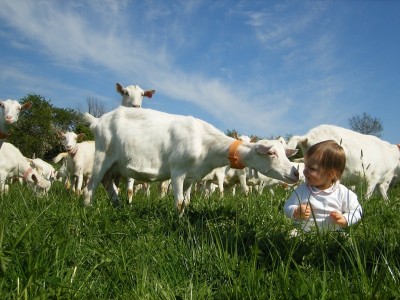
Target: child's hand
(302, 212)
(338, 218)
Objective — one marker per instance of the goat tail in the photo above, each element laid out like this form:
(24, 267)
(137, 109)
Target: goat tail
(90, 119)
(295, 140)
(60, 156)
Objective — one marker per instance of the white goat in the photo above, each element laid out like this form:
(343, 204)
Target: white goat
(396, 177)
(81, 155)
(132, 95)
(44, 169)
(261, 181)
(145, 186)
(13, 164)
(228, 177)
(367, 157)
(215, 180)
(10, 110)
(154, 146)
(65, 173)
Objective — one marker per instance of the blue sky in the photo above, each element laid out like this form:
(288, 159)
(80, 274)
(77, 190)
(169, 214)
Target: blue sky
(264, 67)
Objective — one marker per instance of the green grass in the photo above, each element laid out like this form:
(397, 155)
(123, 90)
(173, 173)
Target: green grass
(230, 248)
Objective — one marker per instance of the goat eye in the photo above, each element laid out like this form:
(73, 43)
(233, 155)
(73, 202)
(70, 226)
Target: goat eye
(271, 153)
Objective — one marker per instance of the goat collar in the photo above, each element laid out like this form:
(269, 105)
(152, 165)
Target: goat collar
(3, 135)
(26, 173)
(233, 158)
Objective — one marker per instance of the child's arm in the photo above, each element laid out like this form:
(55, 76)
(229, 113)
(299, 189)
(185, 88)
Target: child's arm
(302, 212)
(292, 205)
(351, 210)
(338, 218)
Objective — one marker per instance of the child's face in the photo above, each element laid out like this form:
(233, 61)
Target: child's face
(316, 176)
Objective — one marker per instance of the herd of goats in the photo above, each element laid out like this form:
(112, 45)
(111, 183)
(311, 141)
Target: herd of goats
(144, 145)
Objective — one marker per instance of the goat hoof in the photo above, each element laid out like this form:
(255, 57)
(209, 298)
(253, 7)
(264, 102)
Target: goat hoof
(180, 208)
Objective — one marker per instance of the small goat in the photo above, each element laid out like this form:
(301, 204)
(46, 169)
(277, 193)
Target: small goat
(81, 156)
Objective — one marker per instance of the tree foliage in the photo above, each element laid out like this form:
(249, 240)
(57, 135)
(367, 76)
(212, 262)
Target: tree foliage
(366, 124)
(35, 133)
(32, 134)
(65, 119)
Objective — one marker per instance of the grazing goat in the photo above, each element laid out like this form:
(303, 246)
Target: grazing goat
(149, 145)
(9, 115)
(81, 156)
(44, 169)
(13, 164)
(367, 157)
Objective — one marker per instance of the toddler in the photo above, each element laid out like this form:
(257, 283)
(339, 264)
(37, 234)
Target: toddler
(322, 201)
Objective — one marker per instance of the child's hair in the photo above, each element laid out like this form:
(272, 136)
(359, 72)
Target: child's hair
(329, 155)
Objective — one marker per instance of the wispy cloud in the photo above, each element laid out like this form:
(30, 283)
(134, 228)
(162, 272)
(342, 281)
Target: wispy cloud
(68, 38)
(257, 67)
(282, 25)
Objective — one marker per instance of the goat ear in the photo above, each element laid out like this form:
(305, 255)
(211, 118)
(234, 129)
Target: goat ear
(120, 89)
(26, 105)
(290, 152)
(262, 149)
(60, 134)
(235, 135)
(34, 178)
(304, 142)
(149, 93)
(1, 103)
(80, 137)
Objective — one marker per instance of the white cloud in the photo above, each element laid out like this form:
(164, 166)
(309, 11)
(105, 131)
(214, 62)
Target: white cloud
(70, 39)
(263, 77)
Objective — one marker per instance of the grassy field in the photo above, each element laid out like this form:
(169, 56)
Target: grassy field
(230, 248)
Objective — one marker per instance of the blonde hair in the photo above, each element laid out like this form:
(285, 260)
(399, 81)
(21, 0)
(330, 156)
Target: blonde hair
(329, 155)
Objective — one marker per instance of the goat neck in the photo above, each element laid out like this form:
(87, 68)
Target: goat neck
(233, 156)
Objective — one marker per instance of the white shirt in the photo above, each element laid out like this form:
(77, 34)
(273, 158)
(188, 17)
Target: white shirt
(323, 202)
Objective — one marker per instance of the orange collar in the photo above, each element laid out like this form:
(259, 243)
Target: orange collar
(235, 161)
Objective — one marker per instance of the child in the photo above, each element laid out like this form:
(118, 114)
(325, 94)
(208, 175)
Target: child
(322, 201)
